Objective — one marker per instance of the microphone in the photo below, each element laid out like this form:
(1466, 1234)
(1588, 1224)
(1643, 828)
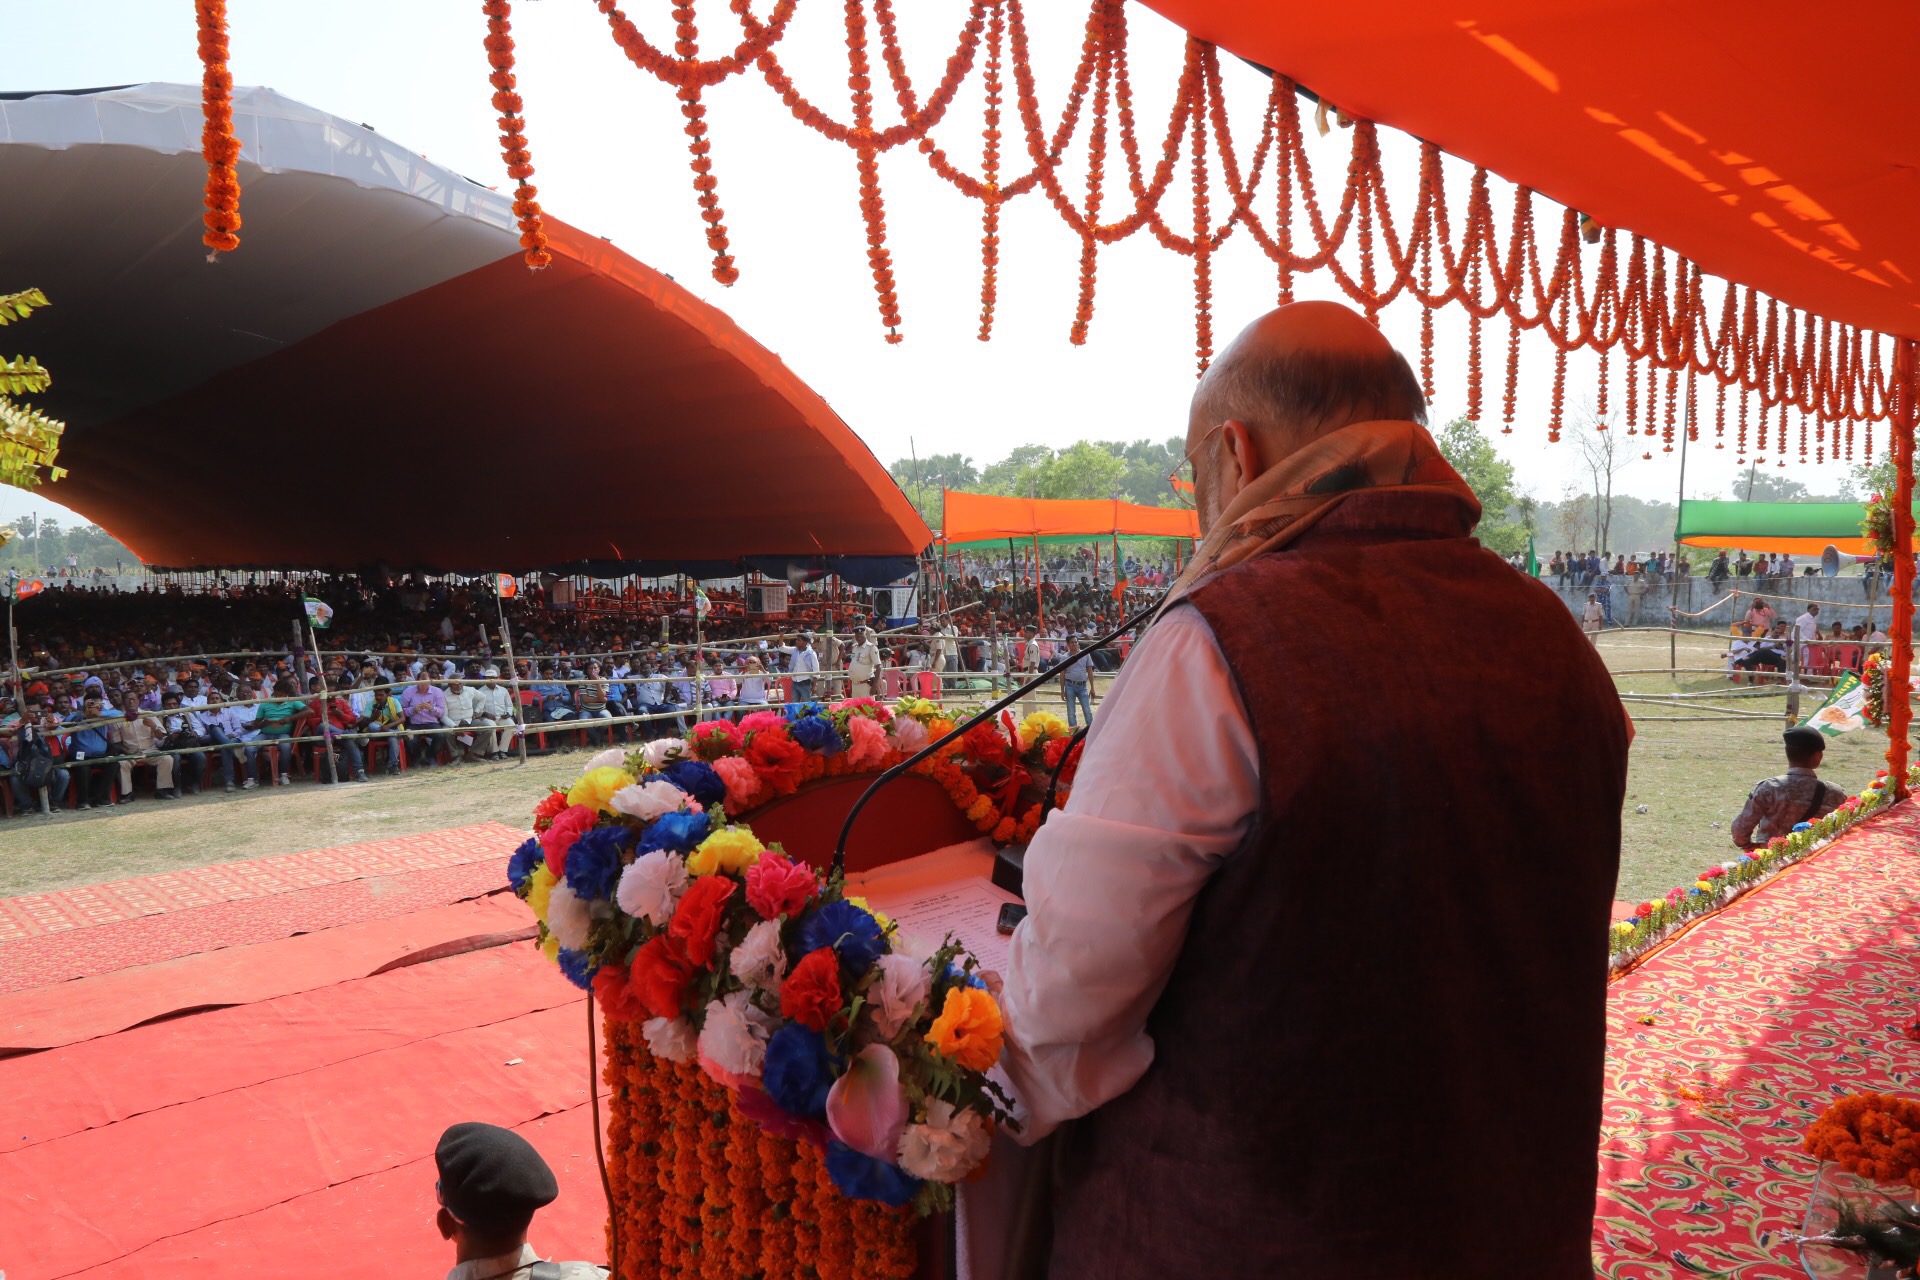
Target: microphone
(846, 829)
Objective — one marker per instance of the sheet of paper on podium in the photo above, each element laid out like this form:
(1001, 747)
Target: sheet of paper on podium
(948, 891)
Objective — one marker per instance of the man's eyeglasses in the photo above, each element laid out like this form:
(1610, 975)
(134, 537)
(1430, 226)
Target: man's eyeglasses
(1183, 476)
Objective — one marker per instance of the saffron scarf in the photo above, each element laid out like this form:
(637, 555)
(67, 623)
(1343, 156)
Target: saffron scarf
(1296, 493)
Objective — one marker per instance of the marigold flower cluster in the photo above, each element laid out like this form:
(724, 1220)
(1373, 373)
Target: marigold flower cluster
(1874, 1135)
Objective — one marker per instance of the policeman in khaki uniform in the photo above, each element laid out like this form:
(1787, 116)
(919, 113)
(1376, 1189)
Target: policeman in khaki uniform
(1777, 805)
(863, 665)
(491, 1184)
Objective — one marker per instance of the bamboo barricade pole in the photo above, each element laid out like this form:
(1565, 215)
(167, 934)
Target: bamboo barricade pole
(13, 660)
(513, 670)
(1794, 687)
(1039, 601)
(326, 721)
(699, 656)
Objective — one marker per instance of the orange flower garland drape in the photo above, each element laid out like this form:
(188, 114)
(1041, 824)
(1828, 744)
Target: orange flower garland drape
(513, 138)
(701, 1191)
(1579, 285)
(1899, 696)
(217, 142)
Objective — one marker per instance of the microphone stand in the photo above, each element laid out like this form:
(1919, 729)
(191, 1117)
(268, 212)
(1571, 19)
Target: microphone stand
(846, 829)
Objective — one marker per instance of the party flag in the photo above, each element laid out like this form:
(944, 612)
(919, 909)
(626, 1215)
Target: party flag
(1844, 710)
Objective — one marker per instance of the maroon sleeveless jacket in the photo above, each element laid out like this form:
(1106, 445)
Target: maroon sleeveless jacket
(1379, 1056)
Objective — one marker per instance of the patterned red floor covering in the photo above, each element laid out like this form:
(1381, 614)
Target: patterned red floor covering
(73, 933)
(1725, 1046)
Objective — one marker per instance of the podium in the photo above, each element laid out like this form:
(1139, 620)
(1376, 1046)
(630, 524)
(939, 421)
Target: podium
(699, 1188)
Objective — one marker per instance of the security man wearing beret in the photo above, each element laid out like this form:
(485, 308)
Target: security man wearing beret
(1778, 805)
(491, 1183)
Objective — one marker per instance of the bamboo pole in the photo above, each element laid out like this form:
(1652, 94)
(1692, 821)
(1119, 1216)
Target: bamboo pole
(513, 670)
(1039, 600)
(326, 724)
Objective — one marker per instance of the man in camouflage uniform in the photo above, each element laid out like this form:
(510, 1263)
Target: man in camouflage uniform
(491, 1184)
(1777, 805)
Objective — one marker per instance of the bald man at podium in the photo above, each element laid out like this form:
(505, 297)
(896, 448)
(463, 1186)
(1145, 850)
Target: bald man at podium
(1314, 974)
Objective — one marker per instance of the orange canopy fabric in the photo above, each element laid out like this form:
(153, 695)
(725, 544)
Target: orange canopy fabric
(982, 517)
(1775, 144)
(1810, 547)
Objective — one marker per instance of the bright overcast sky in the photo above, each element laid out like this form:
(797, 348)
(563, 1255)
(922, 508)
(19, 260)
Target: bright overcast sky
(611, 159)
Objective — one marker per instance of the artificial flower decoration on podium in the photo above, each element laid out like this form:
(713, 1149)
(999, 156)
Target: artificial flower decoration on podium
(791, 1085)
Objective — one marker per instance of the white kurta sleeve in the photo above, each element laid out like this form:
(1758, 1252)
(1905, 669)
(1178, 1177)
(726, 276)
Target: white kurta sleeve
(1167, 788)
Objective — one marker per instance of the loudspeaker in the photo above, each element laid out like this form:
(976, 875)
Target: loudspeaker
(767, 597)
(893, 602)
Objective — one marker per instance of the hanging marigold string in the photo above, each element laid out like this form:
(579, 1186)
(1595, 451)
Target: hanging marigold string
(1597, 293)
(513, 137)
(990, 170)
(1101, 42)
(217, 143)
(1906, 406)
(873, 207)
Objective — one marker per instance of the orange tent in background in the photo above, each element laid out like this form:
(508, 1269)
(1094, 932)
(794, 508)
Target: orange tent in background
(983, 518)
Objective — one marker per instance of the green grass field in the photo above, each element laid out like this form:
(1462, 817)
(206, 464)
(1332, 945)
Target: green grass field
(1691, 777)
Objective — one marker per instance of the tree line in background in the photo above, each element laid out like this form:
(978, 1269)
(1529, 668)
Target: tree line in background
(91, 545)
(1590, 516)
(1135, 472)
(1587, 516)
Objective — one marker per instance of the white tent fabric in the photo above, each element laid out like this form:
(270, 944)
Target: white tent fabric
(277, 135)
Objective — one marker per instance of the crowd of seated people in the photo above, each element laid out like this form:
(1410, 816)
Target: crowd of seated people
(194, 678)
(71, 625)
(1757, 652)
(87, 719)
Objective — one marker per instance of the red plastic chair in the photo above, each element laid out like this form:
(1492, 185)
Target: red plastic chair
(530, 702)
(374, 746)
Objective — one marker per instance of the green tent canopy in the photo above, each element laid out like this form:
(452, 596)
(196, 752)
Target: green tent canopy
(1795, 528)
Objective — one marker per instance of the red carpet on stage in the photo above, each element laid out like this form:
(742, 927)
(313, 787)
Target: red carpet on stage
(366, 1001)
(293, 1127)
(74, 933)
(1725, 1046)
